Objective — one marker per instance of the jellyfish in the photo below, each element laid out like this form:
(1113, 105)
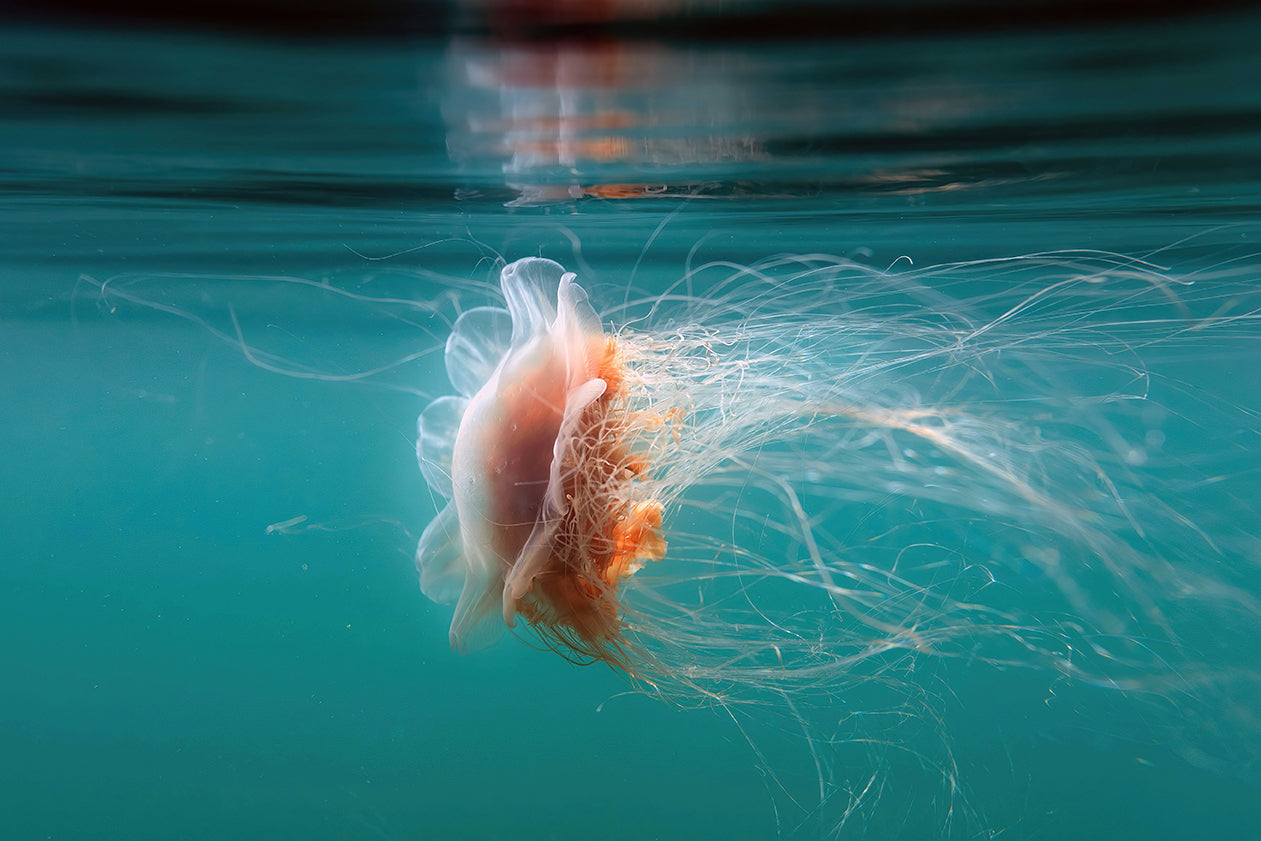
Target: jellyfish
(824, 486)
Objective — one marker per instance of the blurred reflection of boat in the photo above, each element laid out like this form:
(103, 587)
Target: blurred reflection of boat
(609, 119)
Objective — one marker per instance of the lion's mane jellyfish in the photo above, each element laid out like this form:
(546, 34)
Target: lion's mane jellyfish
(825, 487)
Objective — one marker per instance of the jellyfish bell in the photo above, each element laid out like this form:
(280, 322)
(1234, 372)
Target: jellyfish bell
(540, 462)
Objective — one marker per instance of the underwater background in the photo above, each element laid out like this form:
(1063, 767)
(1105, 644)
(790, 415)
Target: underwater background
(174, 664)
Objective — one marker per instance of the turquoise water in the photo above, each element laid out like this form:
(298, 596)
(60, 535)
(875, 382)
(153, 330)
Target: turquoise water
(174, 669)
